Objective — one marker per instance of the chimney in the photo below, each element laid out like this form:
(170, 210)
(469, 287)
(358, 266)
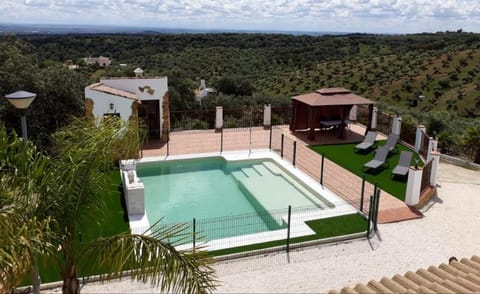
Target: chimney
(202, 85)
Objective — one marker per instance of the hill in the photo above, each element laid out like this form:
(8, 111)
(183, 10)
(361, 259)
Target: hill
(414, 81)
(429, 78)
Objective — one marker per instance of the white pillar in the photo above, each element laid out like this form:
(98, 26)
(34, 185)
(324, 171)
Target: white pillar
(267, 115)
(433, 174)
(353, 113)
(219, 118)
(419, 136)
(397, 125)
(414, 184)
(432, 146)
(374, 118)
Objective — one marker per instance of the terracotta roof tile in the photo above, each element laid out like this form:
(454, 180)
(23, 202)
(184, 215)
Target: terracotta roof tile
(456, 277)
(331, 97)
(109, 90)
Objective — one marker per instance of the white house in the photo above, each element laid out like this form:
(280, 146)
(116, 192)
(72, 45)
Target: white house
(101, 60)
(202, 91)
(132, 98)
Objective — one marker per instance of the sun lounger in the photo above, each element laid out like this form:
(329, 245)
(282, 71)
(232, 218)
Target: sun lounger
(379, 159)
(368, 142)
(392, 142)
(401, 169)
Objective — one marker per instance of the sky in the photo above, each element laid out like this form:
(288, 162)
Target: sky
(365, 16)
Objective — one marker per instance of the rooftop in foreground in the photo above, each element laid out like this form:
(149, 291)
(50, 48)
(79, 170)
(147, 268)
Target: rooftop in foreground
(456, 277)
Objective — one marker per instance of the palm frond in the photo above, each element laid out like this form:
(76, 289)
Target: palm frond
(153, 260)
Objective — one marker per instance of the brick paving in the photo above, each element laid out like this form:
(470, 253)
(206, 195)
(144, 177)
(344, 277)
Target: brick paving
(337, 179)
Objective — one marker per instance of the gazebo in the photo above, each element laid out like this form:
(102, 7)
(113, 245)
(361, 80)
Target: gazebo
(327, 107)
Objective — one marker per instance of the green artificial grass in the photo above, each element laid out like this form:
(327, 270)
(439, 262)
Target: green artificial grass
(323, 228)
(110, 222)
(345, 156)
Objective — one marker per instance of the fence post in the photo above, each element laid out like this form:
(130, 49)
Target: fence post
(294, 152)
(374, 203)
(373, 123)
(321, 169)
(270, 143)
(362, 193)
(281, 148)
(221, 140)
(377, 204)
(267, 115)
(168, 144)
(288, 228)
(434, 172)
(194, 233)
(218, 118)
(369, 217)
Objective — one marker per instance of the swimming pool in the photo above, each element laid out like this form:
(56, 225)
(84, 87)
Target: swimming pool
(216, 188)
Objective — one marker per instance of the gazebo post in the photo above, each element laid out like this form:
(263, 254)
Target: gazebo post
(311, 135)
(345, 114)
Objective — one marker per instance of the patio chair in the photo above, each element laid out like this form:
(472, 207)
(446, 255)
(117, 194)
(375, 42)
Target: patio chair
(368, 141)
(392, 142)
(401, 169)
(379, 160)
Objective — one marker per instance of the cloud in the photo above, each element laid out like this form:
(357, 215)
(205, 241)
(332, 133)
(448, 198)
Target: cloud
(334, 15)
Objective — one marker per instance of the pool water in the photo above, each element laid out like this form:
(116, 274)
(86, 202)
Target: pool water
(216, 192)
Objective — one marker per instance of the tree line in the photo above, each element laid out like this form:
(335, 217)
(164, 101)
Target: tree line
(411, 74)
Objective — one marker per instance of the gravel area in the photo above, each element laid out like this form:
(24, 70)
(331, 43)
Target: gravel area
(449, 228)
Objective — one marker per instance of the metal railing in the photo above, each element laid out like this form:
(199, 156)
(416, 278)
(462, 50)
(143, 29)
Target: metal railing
(384, 122)
(424, 146)
(232, 118)
(362, 114)
(384, 119)
(323, 170)
(192, 120)
(262, 229)
(408, 133)
(426, 174)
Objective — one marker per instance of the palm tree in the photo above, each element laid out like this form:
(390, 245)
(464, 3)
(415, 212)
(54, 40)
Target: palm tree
(76, 178)
(471, 142)
(25, 232)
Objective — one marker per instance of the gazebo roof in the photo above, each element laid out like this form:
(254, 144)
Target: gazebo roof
(331, 97)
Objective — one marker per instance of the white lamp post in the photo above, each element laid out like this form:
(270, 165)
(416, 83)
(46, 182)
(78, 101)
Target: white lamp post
(22, 100)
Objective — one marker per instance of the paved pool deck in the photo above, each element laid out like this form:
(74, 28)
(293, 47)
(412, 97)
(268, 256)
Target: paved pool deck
(337, 179)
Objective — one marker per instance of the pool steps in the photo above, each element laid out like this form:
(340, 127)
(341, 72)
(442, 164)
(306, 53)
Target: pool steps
(251, 172)
(252, 181)
(301, 188)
